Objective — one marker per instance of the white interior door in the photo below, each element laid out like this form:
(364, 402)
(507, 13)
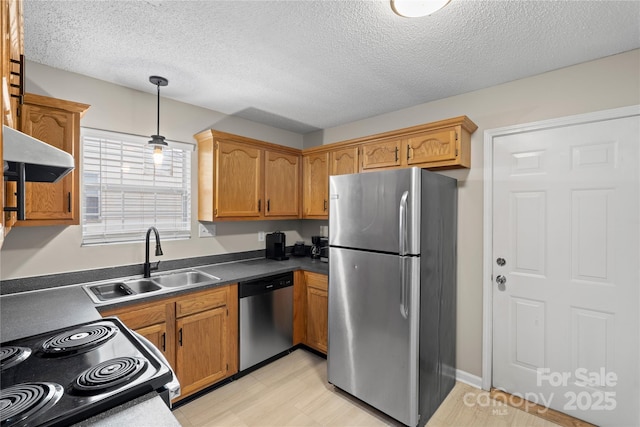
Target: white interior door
(565, 298)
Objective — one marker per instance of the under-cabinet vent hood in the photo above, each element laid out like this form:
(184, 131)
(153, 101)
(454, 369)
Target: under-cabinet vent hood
(42, 162)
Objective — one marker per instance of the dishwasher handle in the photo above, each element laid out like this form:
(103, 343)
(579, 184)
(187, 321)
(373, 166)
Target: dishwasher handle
(264, 285)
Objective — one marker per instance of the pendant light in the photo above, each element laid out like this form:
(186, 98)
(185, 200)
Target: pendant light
(417, 8)
(157, 140)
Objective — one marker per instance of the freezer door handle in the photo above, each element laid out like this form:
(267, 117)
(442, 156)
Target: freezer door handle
(404, 288)
(402, 224)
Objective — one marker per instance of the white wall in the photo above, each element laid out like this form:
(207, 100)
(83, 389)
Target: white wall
(597, 85)
(602, 84)
(34, 251)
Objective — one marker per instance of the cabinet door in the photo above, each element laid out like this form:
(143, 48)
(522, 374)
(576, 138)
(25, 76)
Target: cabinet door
(157, 334)
(154, 321)
(316, 186)
(238, 178)
(52, 201)
(281, 184)
(201, 356)
(377, 155)
(317, 310)
(435, 146)
(344, 161)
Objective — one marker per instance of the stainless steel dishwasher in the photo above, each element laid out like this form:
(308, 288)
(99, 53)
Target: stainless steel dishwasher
(266, 318)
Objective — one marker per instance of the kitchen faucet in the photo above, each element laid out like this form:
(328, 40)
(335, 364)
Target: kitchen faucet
(147, 264)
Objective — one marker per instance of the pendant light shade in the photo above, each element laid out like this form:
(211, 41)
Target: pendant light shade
(417, 8)
(157, 140)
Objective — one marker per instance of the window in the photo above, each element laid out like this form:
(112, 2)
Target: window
(124, 193)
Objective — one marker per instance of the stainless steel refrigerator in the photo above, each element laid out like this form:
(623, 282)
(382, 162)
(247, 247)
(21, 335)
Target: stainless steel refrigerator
(392, 289)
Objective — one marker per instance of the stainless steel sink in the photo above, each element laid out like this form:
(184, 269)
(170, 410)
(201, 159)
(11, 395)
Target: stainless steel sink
(115, 290)
(143, 286)
(184, 278)
(135, 288)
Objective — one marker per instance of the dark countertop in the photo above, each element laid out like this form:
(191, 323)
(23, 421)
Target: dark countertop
(30, 313)
(229, 272)
(147, 410)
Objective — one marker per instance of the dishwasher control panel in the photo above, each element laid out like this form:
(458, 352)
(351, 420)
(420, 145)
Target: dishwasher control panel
(264, 284)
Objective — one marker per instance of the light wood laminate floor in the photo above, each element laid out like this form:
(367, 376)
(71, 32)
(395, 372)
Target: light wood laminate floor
(293, 391)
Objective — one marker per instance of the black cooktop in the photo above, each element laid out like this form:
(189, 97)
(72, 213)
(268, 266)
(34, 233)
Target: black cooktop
(68, 375)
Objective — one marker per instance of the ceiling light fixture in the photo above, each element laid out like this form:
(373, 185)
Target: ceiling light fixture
(417, 8)
(157, 140)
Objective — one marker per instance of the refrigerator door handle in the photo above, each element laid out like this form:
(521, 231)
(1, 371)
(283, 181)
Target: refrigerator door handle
(402, 224)
(404, 291)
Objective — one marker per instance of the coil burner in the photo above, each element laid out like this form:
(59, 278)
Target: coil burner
(12, 355)
(78, 340)
(26, 401)
(109, 375)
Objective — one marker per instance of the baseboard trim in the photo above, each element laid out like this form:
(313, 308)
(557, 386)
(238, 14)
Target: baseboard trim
(539, 411)
(467, 378)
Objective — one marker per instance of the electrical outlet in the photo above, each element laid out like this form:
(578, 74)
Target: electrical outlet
(260, 236)
(206, 230)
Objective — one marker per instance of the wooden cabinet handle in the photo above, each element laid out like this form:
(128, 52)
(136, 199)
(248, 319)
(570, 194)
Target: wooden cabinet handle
(180, 337)
(268, 205)
(259, 203)
(69, 199)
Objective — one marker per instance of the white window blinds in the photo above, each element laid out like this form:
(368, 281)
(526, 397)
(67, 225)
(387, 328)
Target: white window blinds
(124, 193)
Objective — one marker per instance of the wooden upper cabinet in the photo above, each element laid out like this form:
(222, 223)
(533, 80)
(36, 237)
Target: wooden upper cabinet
(282, 184)
(344, 161)
(238, 180)
(11, 85)
(435, 146)
(315, 198)
(380, 155)
(56, 122)
(241, 178)
(438, 145)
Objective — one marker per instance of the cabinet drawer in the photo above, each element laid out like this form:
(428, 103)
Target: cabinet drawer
(202, 301)
(317, 281)
(136, 318)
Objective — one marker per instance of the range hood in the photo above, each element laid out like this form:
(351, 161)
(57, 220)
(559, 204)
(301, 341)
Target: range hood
(27, 159)
(42, 162)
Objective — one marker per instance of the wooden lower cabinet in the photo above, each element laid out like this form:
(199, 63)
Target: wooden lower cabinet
(154, 321)
(198, 334)
(317, 311)
(207, 337)
(201, 354)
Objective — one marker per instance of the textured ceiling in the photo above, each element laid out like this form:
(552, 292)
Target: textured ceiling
(308, 65)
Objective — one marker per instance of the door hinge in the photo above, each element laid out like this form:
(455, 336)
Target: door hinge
(215, 212)
(456, 136)
(456, 152)
(227, 312)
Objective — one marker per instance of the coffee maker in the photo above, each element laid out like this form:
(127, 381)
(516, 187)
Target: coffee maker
(276, 243)
(320, 248)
